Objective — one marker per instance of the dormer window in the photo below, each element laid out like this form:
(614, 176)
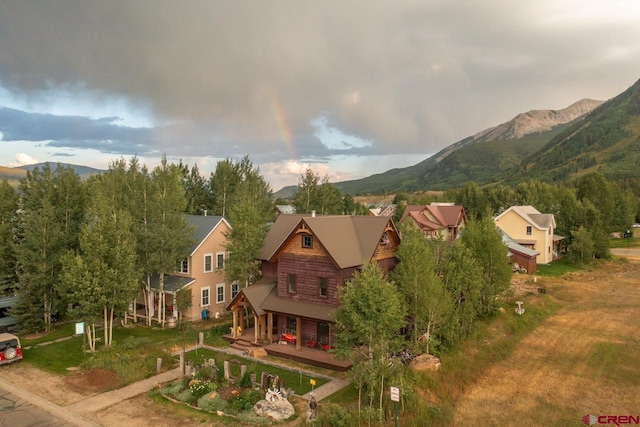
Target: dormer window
(529, 230)
(384, 240)
(307, 241)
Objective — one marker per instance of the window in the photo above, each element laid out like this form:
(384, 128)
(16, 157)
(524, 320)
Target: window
(183, 266)
(291, 323)
(384, 240)
(528, 230)
(208, 263)
(291, 283)
(204, 296)
(307, 241)
(235, 288)
(322, 287)
(220, 261)
(220, 293)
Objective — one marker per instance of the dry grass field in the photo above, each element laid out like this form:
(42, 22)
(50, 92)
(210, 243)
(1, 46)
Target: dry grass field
(583, 359)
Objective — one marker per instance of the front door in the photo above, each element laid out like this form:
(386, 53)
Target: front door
(323, 333)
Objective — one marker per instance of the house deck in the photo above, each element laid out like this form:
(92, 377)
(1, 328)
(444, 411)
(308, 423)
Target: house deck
(311, 356)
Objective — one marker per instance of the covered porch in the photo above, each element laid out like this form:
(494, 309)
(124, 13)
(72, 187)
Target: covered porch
(309, 354)
(153, 305)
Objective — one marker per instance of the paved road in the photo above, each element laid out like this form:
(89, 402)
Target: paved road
(634, 252)
(21, 408)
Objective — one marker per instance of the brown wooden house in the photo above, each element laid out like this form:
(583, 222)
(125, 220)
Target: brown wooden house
(305, 259)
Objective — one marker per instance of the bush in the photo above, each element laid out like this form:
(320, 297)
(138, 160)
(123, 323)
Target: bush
(173, 389)
(212, 402)
(244, 401)
(199, 387)
(334, 415)
(187, 396)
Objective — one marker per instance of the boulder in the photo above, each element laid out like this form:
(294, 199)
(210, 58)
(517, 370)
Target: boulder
(425, 362)
(278, 409)
(257, 352)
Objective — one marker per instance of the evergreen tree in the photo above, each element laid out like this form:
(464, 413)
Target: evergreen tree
(8, 208)
(46, 230)
(197, 191)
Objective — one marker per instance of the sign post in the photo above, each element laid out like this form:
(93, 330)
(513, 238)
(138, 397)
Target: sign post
(395, 398)
(313, 384)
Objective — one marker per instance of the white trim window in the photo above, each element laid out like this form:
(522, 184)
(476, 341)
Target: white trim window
(220, 261)
(183, 266)
(205, 296)
(220, 293)
(235, 288)
(208, 263)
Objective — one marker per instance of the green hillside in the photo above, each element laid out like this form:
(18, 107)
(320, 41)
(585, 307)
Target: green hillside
(607, 140)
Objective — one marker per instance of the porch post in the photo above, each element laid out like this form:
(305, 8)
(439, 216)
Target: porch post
(270, 327)
(256, 326)
(235, 322)
(298, 332)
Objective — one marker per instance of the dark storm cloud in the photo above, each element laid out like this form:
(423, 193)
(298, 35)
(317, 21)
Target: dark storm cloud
(410, 76)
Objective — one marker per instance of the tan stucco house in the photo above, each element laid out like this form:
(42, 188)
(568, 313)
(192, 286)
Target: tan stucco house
(202, 271)
(532, 229)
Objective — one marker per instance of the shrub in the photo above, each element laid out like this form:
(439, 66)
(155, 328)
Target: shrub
(334, 415)
(187, 396)
(244, 401)
(245, 381)
(212, 402)
(199, 387)
(173, 389)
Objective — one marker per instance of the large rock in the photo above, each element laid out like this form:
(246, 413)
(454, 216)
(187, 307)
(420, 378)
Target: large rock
(425, 362)
(258, 352)
(279, 409)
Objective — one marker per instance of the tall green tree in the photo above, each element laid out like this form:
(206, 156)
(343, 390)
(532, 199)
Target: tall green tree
(484, 240)
(582, 247)
(47, 230)
(8, 207)
(197, 191)
(367, 322)
(249, 215)
(170, 233)
(223, 182)
(460, 272)
(329, 199)
(102, 277)
(306, 197)
(428, 304)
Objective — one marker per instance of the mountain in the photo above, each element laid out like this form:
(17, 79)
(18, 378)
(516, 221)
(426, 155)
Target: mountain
(83, 171)
(606, 141)
(14, 175)
(491, 155)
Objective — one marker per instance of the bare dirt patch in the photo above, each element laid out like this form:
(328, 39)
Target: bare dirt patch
(93, 381)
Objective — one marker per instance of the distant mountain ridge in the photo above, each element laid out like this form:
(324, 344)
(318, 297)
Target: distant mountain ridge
(488, 156)
(14, 175)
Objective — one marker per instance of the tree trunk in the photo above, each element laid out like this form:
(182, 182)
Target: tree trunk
(106, 325)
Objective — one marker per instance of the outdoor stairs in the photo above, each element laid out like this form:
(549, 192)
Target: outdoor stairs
(243, 345)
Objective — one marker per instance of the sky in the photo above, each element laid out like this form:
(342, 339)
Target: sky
(347, 88)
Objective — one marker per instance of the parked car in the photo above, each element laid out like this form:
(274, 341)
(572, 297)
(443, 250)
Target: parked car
(10, 349)
(636, 225)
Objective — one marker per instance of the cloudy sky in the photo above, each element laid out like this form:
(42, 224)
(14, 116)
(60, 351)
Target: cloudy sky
(350, 88)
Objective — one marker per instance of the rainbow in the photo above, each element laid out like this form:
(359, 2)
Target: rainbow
(281, 120)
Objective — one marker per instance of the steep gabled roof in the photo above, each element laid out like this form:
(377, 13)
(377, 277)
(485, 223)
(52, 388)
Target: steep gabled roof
(203, 227)
(532, 216)
(446, 214)
(255, 295)
(349, 240)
